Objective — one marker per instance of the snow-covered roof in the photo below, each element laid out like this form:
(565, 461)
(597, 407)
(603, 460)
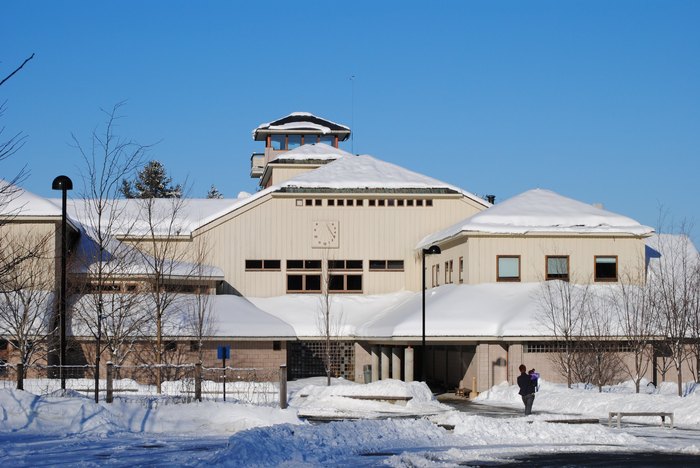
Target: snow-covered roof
(191, 213)
(452, 311)
(123, 260)
(20, 202)
(303, 122)
(303, 311)
(540, 210)
(312, 152)
(231, 316)
(367, 172)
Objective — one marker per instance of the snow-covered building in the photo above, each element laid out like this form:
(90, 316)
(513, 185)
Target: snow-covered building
(329, 227)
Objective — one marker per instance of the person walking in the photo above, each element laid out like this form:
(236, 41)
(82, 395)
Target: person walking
(528, 386)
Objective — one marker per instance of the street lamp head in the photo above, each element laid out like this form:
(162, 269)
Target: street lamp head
(432, 250)
(62, 183)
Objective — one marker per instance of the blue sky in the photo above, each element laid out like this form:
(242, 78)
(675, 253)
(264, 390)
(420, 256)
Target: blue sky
(599, 101)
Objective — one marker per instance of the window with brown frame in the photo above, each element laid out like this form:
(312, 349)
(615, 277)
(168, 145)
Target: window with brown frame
(606, 268)
(508, 268)
(344, 282)
(303, 264)
(437, 275)
(461, 269)
(557, 267)
(386, 265)
(345, 264)
(303, 283)
(261, 265)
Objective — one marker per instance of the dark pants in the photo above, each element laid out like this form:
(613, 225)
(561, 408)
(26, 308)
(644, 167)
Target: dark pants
(528, 400)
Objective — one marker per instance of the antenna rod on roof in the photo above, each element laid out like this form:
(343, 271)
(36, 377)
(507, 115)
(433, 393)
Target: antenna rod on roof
(352, 114)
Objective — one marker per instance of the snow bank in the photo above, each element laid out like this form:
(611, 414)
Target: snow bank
(586, 401)
(328, 444)
(73, 414)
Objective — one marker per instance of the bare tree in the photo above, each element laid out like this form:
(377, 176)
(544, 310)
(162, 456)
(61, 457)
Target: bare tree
(106, 161)
(163, 261)
(694, 307)
(673, 280)
(200, 319)
(633, 304)
(26, 298)
(9, 189)
(562, 312)
(328, 322)
(600, 349)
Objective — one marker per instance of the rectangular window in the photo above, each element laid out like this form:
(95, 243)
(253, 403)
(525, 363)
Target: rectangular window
(359, 202)
(276, 345)
(428, 203)
(279, 142)
(345, 283)
(399, 202)
(309, 139)
(340, 202)
(327, 139)
(447, 272)
(437, 275)
(349, 202)
(318, 202)
(409, 202)
(300, 202)
(299, 283)
(303, 264)
(381, 202)
(255, 265)
(451, 269)
(419, 202)
(293, 141)
(391, 202)
(557, 267)
(606, 268)
(372, 202)
(386, 265)
(461, 269)
(331, 202)
(345, 264)
(309, 202)
(508, 267)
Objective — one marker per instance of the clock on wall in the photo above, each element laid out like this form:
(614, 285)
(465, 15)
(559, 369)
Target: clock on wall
(324, 234)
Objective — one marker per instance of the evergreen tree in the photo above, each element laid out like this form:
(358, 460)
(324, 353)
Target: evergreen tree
(214, 193)
(151, 182)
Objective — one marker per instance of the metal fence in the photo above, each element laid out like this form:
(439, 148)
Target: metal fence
(181, 383)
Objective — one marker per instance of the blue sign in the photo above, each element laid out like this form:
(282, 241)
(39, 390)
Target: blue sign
(223, 352)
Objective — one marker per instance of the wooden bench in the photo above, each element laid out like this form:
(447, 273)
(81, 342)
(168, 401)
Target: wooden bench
(620, 414)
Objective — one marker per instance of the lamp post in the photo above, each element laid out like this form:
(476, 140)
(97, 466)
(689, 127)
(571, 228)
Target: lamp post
(62, 183)
(432, 250)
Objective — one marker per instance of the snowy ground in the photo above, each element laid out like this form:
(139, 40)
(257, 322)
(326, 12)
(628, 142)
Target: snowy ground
(73, 430)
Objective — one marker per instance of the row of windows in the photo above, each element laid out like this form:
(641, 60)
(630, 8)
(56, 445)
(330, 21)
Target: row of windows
(337, 283)
(508, 269)
(287, 142)
(556, 267)
(449, 270)
(359, 202)
(275, 265)
(116, 287)
(579, 346)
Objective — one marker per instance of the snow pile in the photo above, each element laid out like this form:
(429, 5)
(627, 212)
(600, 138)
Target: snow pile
(582, 401)
(74, 414)
(365, 401)
(329, 444)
